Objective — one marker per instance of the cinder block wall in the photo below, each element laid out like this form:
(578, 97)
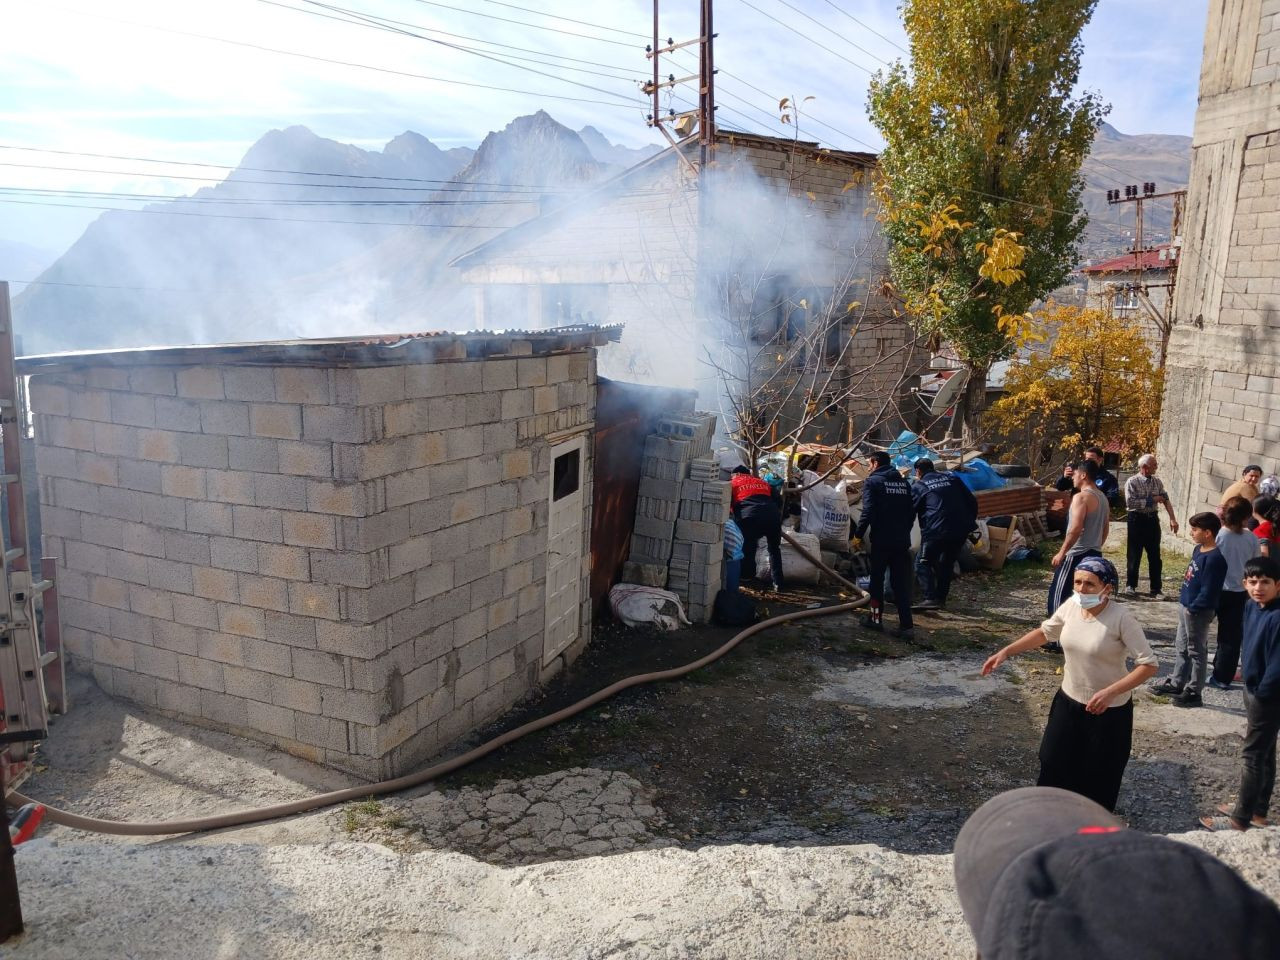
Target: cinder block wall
(1222, 383)
(346, 562)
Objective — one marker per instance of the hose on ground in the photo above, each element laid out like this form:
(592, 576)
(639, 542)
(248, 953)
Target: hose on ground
(260, 814)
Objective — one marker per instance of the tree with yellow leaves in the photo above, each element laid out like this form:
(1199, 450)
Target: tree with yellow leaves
(980, 175)
(1096, 383)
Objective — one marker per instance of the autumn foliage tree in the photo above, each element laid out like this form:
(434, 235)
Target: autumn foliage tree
(1096, 383)
(984, 138)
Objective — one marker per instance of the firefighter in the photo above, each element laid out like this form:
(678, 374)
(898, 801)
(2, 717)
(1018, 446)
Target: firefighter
(888, 510)
(948, 513)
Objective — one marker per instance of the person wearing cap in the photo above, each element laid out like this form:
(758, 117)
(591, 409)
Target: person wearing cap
(1043, 874)
(888, 511)
(948, 513)
(1088, 736)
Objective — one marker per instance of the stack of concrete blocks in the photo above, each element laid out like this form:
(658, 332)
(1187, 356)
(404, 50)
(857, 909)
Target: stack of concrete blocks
(679, 528)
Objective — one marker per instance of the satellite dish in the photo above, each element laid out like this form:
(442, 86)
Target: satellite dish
(947, 393)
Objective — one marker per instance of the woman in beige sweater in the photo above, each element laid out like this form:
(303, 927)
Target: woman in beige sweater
(1089, 733)
(1246, 486)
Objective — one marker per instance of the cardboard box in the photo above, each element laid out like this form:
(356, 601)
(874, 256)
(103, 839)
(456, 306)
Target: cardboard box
(1000, 537)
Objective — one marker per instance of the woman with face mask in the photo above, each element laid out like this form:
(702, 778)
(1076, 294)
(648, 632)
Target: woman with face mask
(1090, 728)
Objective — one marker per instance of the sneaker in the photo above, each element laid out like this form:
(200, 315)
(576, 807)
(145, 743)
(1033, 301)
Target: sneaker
(1218, 684)
(1166, 688)
(1188, 698)
(1130, 593)
(1155, 595)
(926, 605)
(871, 624)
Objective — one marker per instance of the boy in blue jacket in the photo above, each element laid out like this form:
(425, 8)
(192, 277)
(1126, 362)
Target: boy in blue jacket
(1261, 655)
(1198, 601)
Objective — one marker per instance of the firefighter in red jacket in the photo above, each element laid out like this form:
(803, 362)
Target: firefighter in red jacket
(758, 514)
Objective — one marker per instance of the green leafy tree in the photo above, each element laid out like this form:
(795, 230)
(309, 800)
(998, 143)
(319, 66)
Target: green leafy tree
(980, 175)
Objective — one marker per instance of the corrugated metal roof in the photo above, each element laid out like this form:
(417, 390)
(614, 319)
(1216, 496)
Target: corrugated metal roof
(369, 350)
(1155, 258)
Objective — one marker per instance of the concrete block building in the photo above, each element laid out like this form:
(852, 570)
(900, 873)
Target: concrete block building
(359, 550)
(1222, 388)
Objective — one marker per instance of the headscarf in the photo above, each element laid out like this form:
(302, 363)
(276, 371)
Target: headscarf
(1102, 568)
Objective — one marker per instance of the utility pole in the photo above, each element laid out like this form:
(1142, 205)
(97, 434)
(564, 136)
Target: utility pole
(1138, 197)
(704, 115)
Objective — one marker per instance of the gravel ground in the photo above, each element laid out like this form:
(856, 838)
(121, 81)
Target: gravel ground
(344, 900)
(799, 798)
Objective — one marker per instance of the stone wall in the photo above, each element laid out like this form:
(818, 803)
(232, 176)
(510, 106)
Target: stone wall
(346, 562)
(1221, 405)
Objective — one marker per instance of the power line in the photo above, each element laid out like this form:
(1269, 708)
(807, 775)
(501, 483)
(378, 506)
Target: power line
(445, 33)
(838, 36)
(233, 216)
(865, 25)
(581, 23)
(359, 19)
(283, 201)
(355, 18)
(525, 23)
(783, 23)
(457, 186)
(223, 166)
(365, 66)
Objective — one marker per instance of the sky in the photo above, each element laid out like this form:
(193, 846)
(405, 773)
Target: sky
(200, 82)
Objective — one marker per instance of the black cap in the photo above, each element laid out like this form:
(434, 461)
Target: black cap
(1044, 873)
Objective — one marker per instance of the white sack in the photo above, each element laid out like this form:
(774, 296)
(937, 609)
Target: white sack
(824, 509)
(795, 568)
(635, 604)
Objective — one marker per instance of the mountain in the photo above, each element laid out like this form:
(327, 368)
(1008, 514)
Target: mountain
(1117, 160)
(306, 237)
(21, 261)
(612, 154)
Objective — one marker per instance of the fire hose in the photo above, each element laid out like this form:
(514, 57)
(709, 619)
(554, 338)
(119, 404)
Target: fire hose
(317, 801)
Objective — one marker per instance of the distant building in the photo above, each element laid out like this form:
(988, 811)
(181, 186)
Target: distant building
(1118, 284)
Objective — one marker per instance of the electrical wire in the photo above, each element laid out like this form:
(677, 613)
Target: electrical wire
(369, 21)
(363, 66)
(284, 202)
(224, 166)
(838, 36)
(865, 26)
(359, 19)
(783, 23)
(452, 186)
(556, 16)
(232, 216)
(525, 23)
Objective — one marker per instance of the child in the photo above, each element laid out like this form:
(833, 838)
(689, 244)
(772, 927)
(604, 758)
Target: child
(1263, 529)
(1238, 547)
(1261, 699)
(1198, 604)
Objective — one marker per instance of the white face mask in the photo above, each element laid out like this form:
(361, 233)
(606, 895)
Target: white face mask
(1088, 601)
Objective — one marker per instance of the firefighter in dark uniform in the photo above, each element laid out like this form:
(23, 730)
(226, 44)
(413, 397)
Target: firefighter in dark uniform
(948, 513)
(888, 510)
(758, 514)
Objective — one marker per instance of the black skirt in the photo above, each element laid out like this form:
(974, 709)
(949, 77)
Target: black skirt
(1086, 753)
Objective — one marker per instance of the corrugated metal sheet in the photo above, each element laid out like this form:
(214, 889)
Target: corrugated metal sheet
(371, 350)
